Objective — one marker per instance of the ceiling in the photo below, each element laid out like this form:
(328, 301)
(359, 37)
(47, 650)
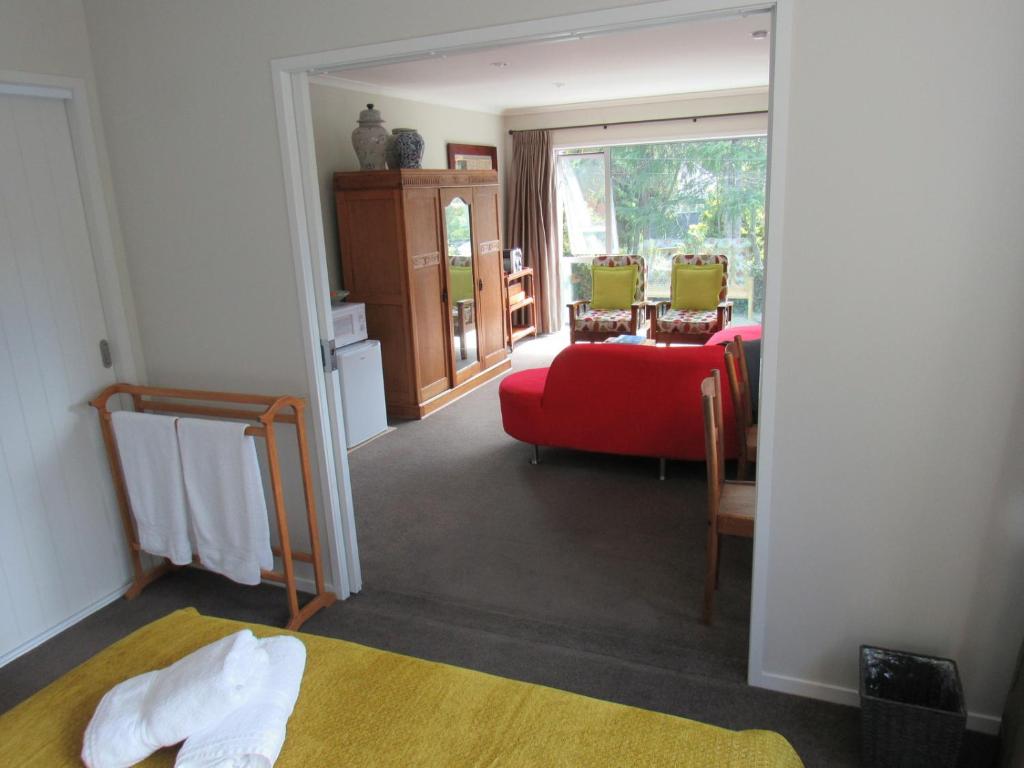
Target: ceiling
(707, 55)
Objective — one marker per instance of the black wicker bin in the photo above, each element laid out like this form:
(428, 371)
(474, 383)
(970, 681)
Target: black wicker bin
(911, 710)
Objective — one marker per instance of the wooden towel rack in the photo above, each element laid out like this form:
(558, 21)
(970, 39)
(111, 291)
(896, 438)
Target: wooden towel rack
(272, 410)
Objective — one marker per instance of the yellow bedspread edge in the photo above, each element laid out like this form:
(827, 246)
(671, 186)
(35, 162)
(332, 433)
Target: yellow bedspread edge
(364, 706)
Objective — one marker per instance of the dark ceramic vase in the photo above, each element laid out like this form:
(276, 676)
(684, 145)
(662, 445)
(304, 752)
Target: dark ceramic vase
(405, 148)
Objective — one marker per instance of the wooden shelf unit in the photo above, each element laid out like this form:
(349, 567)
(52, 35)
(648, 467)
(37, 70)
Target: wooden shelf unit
(521, 318)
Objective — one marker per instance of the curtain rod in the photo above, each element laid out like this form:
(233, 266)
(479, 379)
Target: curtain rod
(605, 125)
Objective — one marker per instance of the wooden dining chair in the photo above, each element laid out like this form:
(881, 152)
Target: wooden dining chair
(739, 387)
(730, 503)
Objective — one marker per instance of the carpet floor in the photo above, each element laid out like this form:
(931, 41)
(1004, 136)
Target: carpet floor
(584, 573)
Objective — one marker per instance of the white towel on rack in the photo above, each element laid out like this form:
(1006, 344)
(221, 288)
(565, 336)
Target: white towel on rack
(225, 498)
(254, 733)
(148, 447)
(161, 708)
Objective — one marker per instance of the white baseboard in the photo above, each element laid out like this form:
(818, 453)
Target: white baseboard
(983, 723)
(56, 629)
(837, 694)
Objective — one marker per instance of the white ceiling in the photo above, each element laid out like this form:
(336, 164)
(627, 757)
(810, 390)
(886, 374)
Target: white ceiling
(708, 55)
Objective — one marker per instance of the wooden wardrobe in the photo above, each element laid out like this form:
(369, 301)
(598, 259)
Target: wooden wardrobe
(422, 250)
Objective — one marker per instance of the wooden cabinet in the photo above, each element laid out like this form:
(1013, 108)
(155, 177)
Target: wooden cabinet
(422, 249)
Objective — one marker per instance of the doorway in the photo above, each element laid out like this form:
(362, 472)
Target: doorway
(291, 86)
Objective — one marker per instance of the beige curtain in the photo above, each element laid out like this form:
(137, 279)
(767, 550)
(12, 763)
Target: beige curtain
(532, 221)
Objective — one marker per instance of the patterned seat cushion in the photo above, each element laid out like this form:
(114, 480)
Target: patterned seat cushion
(688, 321)
(613, 320)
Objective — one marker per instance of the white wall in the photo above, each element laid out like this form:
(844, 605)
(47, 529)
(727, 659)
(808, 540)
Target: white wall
(335, 111)
(50, 38)
(898, 504)
(897, 497)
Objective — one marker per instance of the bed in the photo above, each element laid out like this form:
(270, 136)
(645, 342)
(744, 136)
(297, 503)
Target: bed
(361, 706)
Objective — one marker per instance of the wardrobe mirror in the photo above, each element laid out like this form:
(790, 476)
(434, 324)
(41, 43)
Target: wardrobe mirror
(461, 296)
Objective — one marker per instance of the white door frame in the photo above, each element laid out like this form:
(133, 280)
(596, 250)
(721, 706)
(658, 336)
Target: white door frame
(291, 93)
(73, 92)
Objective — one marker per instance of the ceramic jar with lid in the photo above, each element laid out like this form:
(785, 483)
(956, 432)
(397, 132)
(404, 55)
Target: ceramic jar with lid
(370, 139)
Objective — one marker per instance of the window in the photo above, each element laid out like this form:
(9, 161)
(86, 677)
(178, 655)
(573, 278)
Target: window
(660, 199)
(587, 227)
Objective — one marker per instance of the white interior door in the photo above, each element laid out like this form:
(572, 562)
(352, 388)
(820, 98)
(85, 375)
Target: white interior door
(62, 548)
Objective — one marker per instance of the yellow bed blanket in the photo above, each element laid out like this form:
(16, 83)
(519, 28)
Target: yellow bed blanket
(364, 707)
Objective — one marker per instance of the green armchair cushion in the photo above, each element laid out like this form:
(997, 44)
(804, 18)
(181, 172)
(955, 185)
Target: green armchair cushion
(696, 286)
(614, 287)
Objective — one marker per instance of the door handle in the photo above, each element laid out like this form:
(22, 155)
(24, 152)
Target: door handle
(479, 284)
(105, 357)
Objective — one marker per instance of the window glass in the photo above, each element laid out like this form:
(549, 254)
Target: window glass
(671, 197)
(581, 193)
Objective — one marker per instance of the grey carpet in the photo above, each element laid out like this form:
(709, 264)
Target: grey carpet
(583, 573)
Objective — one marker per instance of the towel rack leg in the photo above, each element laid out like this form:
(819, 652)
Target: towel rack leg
(140, 579)
(282, 520)
(307, 488)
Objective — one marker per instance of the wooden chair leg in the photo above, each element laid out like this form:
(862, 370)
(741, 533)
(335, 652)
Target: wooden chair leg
(709, 578)
(718, 560)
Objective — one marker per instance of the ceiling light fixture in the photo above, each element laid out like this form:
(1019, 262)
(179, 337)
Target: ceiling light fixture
(759, 34)
(559, 85)
(499, 64)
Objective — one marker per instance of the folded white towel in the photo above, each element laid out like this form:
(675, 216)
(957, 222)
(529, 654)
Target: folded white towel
(148, 447)
(252, 735)
(160, 708)
(225, 498)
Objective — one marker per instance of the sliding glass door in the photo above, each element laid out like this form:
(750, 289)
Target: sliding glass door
(663, 198)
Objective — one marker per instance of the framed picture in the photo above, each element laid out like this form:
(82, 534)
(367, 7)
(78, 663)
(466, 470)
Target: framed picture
(472, 157)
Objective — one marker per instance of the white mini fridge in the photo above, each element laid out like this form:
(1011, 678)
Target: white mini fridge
(362, 391)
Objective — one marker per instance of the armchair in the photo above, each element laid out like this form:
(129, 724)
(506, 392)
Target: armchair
(589, 324)
(691, 326)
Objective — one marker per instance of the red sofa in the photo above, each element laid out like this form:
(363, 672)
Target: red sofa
(617, 398)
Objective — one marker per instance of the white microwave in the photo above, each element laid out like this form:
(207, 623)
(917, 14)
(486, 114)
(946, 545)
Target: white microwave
(349, 323)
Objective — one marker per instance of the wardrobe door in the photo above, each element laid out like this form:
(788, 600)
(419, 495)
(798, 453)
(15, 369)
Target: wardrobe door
(426, 290)
(490, 274)
(463, 315)
(370, 226)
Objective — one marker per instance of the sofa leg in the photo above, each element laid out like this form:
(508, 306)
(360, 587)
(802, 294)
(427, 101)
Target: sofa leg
(536, 455)
(661, 469)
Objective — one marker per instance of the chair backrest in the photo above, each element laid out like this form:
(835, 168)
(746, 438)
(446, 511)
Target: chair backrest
(739, 383)
(711, 395)
(701, 260)
(624, 260)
